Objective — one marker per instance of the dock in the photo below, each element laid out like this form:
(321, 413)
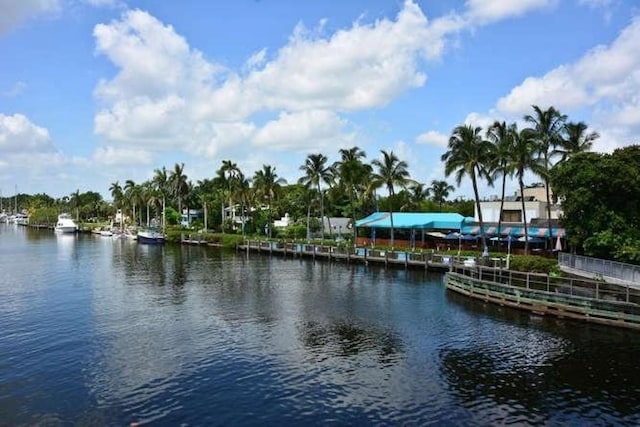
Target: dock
(562, 297)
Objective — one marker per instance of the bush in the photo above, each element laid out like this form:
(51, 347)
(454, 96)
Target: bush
(533, 264)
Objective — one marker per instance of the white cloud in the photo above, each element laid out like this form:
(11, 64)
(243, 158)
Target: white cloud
(27, 148)
(607, 79)
(433, 138)
(309, 130)
(15, 12)
(487, 11)
(19, 135)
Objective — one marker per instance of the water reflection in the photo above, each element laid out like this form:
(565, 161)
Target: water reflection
(538, 375)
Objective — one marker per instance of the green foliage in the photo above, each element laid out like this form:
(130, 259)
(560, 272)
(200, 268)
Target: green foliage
(172, 216)
(533, 264)
(294, 232)
(600, 196)
(43, 216)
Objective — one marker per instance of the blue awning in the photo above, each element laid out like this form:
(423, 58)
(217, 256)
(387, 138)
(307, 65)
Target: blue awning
(427, 221)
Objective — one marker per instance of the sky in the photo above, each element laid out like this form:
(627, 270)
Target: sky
(98, 91)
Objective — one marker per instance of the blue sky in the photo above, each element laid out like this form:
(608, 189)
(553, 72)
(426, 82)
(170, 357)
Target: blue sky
(94, 91)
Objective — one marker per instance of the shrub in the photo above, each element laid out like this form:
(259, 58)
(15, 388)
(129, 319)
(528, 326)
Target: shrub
(533, 264)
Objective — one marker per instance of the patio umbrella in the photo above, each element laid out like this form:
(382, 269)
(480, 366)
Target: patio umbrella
(558, 244)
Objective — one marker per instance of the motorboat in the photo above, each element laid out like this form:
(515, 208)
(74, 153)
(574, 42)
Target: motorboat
(65, 224)
(150, 235)
(21, 219)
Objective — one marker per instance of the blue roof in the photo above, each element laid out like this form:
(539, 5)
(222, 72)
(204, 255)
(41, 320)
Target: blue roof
(431, 221)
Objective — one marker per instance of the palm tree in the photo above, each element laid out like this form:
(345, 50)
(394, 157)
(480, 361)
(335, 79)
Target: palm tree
(439, 191)
(391, 172)
(316, 171)
(354, 175)
(132, 193)
(178, 183)
(162, 187)
(116, 193)
(523, 157)
(75, 203)
(267, 183)
(576, 140)
(546, 130)
(469, 154)
(501, 136)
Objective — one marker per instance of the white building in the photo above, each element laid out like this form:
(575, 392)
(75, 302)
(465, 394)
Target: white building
(535, 207)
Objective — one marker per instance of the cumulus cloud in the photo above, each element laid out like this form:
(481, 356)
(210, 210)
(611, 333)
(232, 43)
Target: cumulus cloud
(316, 128)
(15, 13)
(26, 146)
(433, 138)
(486, 11)
(607, 79)
(18, 134)
(166, 94)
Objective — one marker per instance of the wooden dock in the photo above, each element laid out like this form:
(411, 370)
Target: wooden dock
(422, 260)
(578, 299)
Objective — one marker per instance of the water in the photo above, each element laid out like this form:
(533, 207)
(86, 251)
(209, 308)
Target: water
(95, 331)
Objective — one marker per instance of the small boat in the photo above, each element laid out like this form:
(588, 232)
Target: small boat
(65, 224)
(106, 233)
(150, 235)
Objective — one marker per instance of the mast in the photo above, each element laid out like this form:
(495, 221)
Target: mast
(16, 201)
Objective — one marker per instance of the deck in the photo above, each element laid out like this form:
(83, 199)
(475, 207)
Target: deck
(585, 300)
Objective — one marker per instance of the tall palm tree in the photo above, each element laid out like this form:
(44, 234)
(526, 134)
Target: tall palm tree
(316, 171)
(75, 202)
(546, 129)
(354, 176)
(178, 183)
(116, 193)
(523, 158)
(439, 191)
(391, 172)
(267, 183)
(469, 154)
(577, 140)
(132, 193)
(162, 187)
(501, 136)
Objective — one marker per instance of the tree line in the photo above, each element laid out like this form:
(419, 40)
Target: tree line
(546, 147)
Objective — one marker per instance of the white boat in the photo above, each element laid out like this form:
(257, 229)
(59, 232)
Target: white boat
(21, 219)
(150, 236)
(3, 217)
(106, 233)
(65, 224)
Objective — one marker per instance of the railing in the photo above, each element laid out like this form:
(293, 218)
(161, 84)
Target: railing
(442, 260)
(583, 288)
(600, 268)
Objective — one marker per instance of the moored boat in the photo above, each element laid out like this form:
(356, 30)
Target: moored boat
(150, 236)
(65, 224)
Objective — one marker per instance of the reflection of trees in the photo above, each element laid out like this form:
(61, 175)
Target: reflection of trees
(346, 339)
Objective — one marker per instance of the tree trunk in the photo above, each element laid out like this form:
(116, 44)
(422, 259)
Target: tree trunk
(391, 214)
(504, 181)
(524, 217)
(308, 222)
(483, 238)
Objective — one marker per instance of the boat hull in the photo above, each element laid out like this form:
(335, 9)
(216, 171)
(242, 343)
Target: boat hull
(66, 229)
(150, 238)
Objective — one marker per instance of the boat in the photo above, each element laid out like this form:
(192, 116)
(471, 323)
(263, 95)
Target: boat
(150, 235)
(21, 219)
(106, 233)
(65, 224)
(3, 217)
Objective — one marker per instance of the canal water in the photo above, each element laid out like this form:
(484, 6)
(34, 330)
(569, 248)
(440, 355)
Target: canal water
(97, 331)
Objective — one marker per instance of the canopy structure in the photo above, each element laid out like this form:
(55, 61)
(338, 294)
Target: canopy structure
(505, 231)
(413, 220)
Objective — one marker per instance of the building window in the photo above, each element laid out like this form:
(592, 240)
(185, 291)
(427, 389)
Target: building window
(511, 216)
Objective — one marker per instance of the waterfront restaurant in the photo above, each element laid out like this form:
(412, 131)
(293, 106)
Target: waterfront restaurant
(448, 230)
